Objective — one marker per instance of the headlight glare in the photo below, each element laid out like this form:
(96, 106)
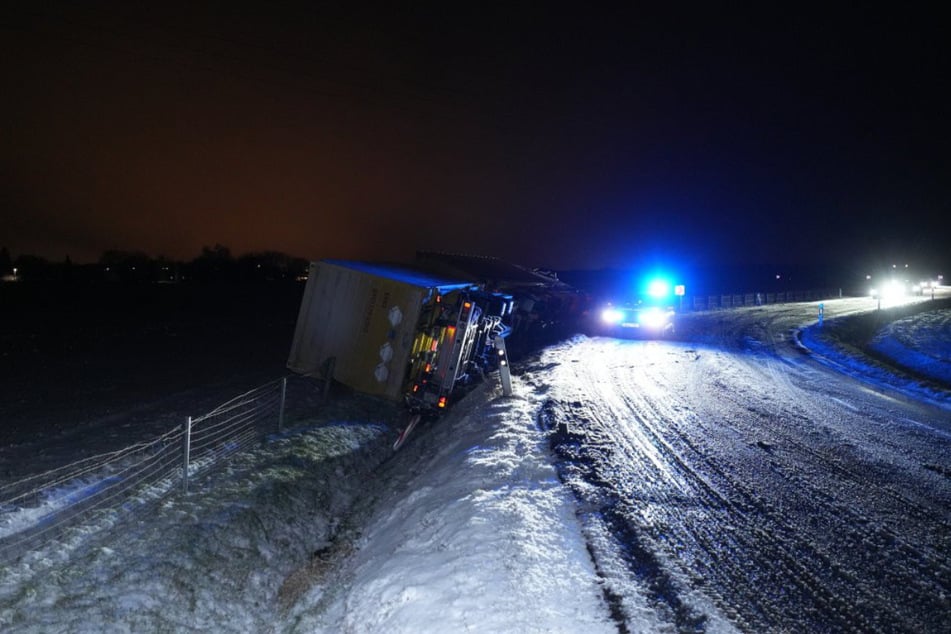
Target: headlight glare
(612, 316)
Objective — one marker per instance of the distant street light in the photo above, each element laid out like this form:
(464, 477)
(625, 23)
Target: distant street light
(14, 274)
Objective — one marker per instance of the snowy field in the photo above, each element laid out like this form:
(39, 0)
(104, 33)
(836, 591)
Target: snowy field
(469, 527)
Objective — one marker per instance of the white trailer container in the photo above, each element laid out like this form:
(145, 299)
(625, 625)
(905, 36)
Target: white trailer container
(383, 328)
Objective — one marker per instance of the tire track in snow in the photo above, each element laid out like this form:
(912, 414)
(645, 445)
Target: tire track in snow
(672, 492)
(706, 544)
(600, 506)
(683, 501)
(929, 515)
(883, 522)
(930, 576)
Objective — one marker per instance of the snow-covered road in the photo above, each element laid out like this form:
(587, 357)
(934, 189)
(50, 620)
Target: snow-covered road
(747, 483)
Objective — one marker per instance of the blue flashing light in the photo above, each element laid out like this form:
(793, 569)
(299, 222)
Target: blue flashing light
(658, 288)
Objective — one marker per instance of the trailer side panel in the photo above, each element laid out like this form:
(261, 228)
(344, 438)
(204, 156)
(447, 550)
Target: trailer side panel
(365, 322)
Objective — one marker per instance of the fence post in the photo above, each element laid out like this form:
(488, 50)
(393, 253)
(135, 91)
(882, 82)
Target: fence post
(188, 448)
(329, 367)
(280, 417)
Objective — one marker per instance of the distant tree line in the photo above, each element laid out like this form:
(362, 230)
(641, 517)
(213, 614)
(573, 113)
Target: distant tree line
(214, 265)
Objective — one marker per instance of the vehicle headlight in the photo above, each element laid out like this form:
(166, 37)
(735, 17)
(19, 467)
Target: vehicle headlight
(612, 315)
(653, 318)
(894, 290)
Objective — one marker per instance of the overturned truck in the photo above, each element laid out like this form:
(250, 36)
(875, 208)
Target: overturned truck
(397, 333)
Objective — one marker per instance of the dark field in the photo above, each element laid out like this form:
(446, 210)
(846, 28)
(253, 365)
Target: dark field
(132, 359)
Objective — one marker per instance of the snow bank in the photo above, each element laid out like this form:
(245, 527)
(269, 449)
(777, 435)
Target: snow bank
(471, 532)
(905, 355)
(922, 342)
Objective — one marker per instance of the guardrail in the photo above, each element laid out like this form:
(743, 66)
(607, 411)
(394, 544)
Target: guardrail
(736, 300)
(41, 508)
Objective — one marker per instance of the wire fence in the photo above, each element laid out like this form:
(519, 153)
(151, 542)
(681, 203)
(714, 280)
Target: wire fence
(41, 508)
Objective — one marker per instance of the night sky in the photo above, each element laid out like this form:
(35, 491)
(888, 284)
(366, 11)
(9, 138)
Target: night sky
(586, 138)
